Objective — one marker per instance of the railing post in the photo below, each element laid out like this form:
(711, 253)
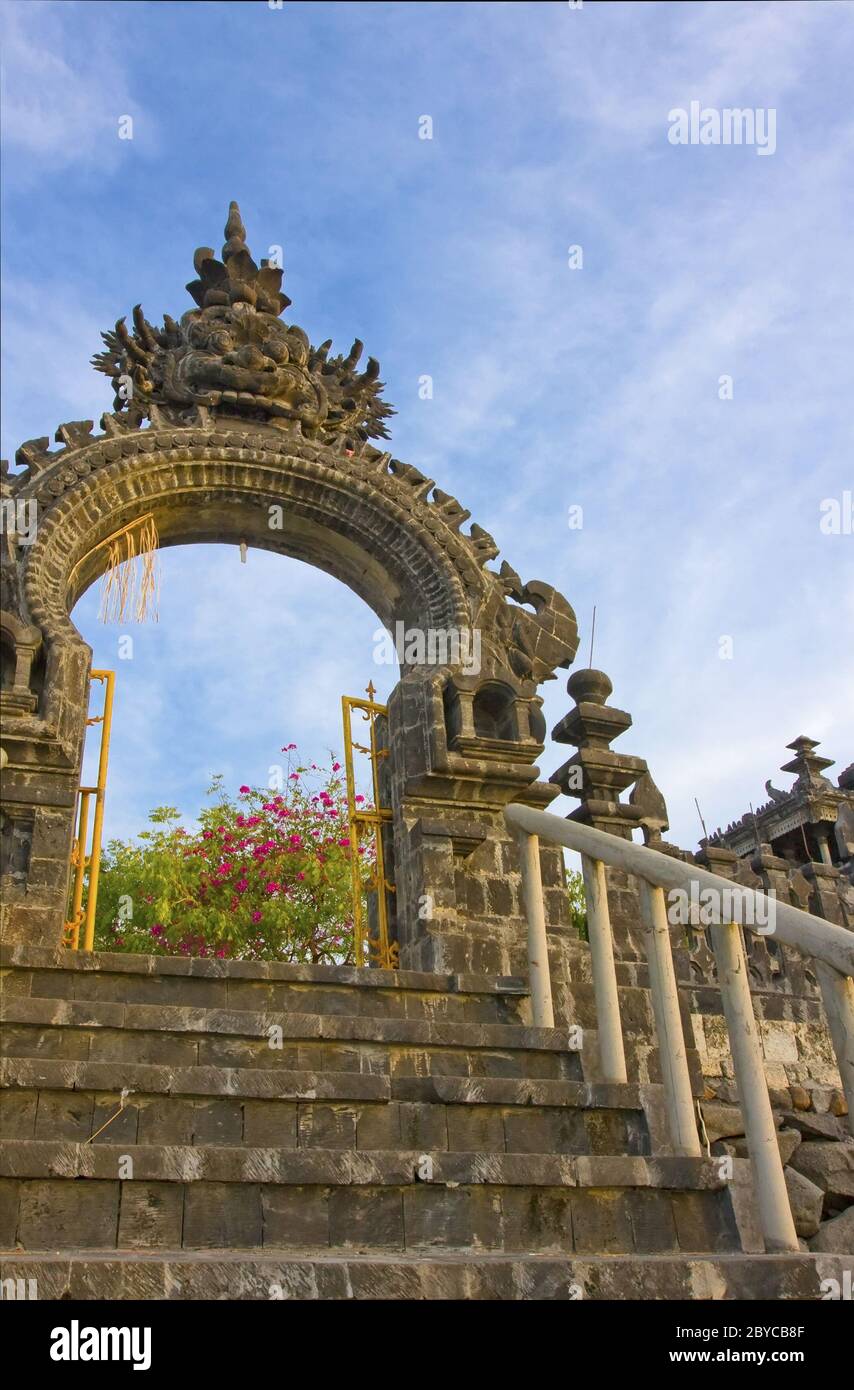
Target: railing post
(79, 868)
(538, 952)
(668, 1023)
(837, 992)
(612, 1055)
(775, 1212)
(106, 722)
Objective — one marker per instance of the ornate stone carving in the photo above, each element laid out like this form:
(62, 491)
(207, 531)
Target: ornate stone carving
(243, 412)
(19, 643)
(646, 798)
(235, 355)
(549, 639)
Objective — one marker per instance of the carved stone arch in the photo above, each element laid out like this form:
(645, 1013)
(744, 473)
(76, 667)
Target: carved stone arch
(361, 525)
(228, 426)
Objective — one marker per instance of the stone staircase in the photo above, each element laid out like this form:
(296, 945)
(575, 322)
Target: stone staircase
(202, 1129)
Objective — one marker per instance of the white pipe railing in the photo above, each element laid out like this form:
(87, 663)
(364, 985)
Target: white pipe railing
(830, 947)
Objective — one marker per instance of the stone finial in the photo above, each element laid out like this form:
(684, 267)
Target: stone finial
(595, 774)
(806, 764)
(235, 232)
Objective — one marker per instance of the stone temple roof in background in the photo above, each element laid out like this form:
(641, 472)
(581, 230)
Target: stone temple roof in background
(812, 798)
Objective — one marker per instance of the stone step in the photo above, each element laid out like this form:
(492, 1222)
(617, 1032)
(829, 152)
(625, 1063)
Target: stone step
(277, 1273)
(92, 1030)
(262, 987)
(278, 987)
(303, 1121)
(69, 1195)
(34, 1158)
(48, 1073)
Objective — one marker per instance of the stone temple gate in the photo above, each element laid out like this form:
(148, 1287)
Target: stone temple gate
(229, 426)
(414, 1136)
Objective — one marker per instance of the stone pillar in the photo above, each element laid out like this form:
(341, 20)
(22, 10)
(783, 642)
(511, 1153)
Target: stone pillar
(596, 775)
(824, 899)
(459, 906)
(43, 749)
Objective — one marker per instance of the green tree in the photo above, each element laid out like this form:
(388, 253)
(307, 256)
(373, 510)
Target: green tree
(577, 902)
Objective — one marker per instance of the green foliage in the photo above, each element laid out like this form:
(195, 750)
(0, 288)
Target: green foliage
(266, 876)
(577, 902)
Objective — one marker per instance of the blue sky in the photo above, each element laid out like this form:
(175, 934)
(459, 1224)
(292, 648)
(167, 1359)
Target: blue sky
(553, 387)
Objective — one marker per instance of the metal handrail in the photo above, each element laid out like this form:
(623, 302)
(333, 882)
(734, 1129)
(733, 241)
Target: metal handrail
(831, 948)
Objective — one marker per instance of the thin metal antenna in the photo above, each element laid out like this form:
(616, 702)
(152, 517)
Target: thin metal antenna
(700, 814)
(592, 635)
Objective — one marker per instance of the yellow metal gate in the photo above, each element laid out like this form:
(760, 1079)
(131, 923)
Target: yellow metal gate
(372, 941)
(81, 920)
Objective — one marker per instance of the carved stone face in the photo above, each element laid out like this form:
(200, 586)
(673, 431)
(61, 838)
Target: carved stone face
(233, 354)
(236, 349)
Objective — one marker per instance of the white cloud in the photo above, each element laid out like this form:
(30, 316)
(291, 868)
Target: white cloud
(65, 87)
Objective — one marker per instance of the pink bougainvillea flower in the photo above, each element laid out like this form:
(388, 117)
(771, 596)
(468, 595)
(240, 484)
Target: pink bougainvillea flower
(293, 839)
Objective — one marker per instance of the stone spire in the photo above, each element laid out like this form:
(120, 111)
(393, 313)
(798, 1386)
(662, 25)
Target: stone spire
(807, 765)
(596, 774)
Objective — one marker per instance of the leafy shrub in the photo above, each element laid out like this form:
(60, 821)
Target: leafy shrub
(577, 902)
(265, 876)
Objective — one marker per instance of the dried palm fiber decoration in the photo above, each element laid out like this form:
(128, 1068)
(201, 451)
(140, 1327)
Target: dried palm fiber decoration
(131, 585)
